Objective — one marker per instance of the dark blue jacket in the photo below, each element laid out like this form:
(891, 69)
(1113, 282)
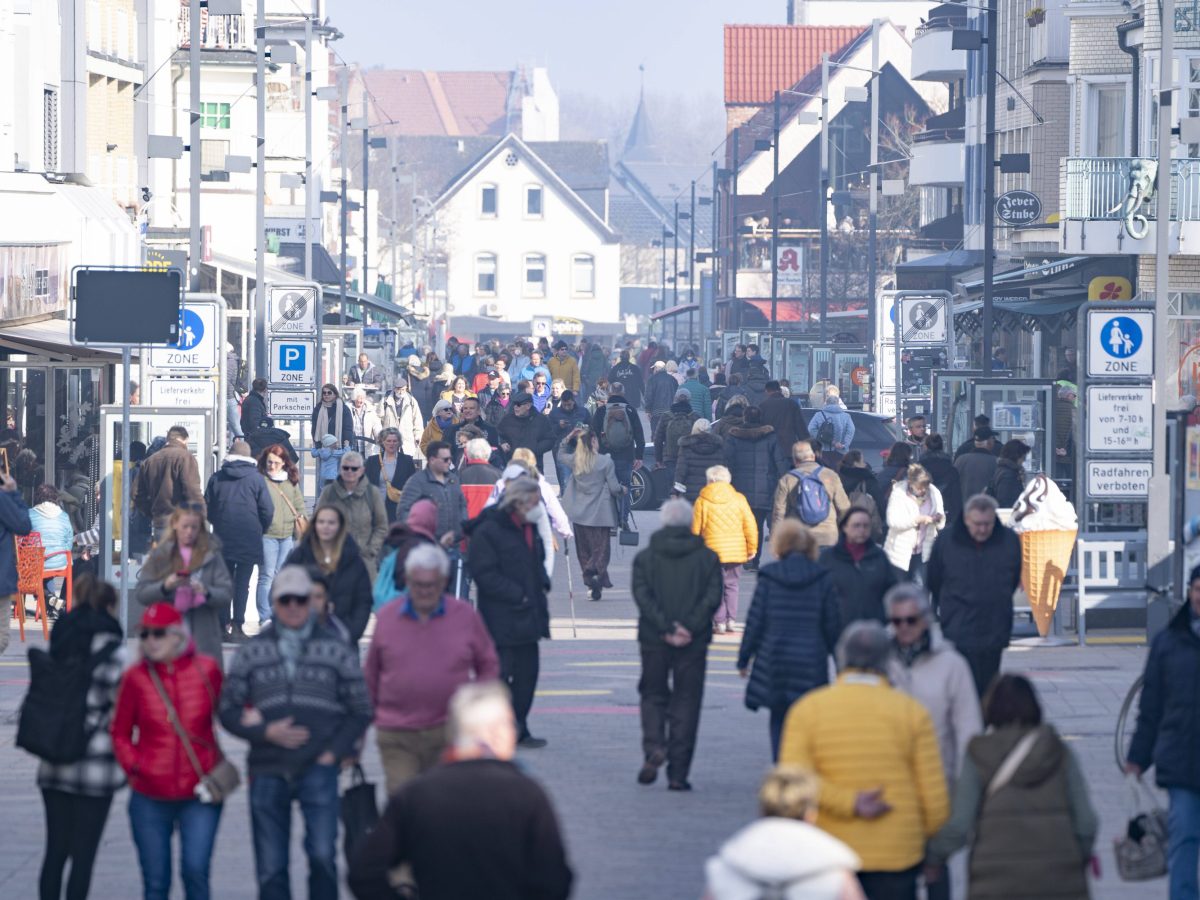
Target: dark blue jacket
(1168, 725)
(973, 584)
(14, 519)
(791, 630)
(240, 509)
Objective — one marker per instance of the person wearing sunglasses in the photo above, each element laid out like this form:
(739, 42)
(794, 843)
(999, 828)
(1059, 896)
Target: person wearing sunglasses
(171, 680)
(332, 416)
(361, 506)
(306, 684)
(927, 667)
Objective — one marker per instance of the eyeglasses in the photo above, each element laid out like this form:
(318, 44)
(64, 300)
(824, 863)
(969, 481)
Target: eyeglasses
(905, 620)
(443, 458)
(327, 393)
(290, 599)
(351, 468)
(156, 633)
(505, 393)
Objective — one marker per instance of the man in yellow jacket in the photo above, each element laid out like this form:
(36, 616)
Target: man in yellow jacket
(874, 749)
(563, 367)
(723, 518)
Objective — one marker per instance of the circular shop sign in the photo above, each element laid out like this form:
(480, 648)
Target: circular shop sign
(1018, 207)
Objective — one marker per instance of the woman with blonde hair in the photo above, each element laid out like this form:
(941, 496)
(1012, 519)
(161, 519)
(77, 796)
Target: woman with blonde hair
(186, 570)
(723, 518)
(915, 515)
(792, 627)
(784, 854)
(589, 503)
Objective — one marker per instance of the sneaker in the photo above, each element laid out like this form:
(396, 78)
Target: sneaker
(529, 742)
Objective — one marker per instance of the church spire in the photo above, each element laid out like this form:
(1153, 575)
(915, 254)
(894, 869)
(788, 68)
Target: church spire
(639, 144)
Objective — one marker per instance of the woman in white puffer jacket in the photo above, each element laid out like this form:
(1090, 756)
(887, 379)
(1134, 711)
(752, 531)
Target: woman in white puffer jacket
(915, 515)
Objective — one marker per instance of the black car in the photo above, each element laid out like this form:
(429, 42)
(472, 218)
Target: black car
(874, 434)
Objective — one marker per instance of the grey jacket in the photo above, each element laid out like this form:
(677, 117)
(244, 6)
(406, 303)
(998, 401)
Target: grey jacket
(588, 499)
(366, 517)
(204, 622)
(449, 499)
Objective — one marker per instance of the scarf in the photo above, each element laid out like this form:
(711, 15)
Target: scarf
(281, 475)
(910, 654)
(856, 551)
(291, 644)
(322, 428)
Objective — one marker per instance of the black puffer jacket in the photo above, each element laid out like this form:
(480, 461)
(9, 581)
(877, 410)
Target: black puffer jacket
(671, 429)
(860, 585)
(1007, 483)
(697, 454)
(349, 586)
(791, 630)
(1168, 726)
(750, 456)
(511, 578)
(240, 508)
(972, 585)
(941, 469)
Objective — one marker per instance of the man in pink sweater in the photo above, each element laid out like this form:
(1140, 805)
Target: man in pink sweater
(426, 645)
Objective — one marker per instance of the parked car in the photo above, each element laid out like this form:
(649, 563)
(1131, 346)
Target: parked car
(874, 434)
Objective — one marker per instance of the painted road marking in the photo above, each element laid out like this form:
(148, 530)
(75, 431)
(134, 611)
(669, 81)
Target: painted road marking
(565, 693)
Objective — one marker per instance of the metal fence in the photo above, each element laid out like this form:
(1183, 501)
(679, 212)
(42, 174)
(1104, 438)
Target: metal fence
(1096, 187)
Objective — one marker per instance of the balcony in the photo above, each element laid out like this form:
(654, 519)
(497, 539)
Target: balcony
(1050, 42)
(1092, 222)
(216, 32)
(933, 55)
(938, 158)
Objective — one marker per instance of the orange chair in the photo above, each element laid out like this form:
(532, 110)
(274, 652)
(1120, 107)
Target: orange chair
(31, 565)
(63, 571)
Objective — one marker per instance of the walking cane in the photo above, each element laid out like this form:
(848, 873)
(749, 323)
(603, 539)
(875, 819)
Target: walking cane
(570, 584)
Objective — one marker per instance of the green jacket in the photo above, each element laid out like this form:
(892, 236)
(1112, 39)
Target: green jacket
(676, 579)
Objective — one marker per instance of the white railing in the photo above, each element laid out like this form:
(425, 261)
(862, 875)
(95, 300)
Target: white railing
(1050, 41)
(216, 32)
(1095, 187)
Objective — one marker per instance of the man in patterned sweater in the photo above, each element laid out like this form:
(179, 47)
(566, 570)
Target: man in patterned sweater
(296, 692)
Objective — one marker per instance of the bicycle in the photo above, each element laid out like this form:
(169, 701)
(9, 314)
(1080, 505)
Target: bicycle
(1131, 701)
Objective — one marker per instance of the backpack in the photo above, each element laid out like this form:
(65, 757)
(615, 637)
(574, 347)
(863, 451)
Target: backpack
(812, 500)
(862, 498)
(53, 722)
(385, 589)
(827, 433)
(678, 427)
(617, 432)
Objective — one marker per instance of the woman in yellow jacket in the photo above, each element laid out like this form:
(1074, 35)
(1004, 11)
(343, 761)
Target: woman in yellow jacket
(442, 418)
(723, 518)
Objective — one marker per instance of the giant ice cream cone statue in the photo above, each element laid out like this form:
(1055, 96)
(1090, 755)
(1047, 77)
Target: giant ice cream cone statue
(1047, 526)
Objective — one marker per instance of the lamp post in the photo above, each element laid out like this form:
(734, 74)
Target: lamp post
(989, 187)
(343, 112)
(675, 260)
(193, 279)
(735, 235)
(873, 186)
(775, 227)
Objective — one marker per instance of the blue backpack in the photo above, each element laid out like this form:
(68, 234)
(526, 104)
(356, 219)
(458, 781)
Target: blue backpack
(812, 500)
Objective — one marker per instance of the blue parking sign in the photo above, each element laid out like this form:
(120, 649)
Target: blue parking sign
(293, 362)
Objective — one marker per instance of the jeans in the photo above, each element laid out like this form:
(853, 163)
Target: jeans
(153, 823)
(240, 572)
(275, 551)
(74, 824)
(624, 473)
(233, 416)
(1183, 842)
(271, 797)
(727, 611)
(519, 666)
(671, 688)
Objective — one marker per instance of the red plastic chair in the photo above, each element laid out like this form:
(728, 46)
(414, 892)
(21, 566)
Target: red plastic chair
(31, 564)
(63, 570)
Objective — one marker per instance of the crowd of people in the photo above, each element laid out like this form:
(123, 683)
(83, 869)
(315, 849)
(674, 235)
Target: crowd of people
(436, 518)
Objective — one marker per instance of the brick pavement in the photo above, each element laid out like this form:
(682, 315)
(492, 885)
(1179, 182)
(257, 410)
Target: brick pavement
(625, 840)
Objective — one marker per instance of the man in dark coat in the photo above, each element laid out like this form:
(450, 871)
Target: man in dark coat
(506, 559)
(981, 421)
(677, 424)
(941, 469)
(479, 807)
(240, 509)
(254, 408)
(1168, 732)
(750, 457)
(660, 391)
(522, 427)
(630, 377)
(169, 477)
(472, 414)
(677, 587)
(782, 414)
(14, 520)
(976, 468)
(972, 573)
(625, 459)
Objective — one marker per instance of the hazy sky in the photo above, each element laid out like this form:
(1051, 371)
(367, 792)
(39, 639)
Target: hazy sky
(593, 46)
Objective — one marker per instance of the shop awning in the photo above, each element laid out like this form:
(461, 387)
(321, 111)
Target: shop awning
(51, 338)
(675, 311)
(785, 310)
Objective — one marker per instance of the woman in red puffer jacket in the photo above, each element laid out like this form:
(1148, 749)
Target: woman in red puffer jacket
(162, 777)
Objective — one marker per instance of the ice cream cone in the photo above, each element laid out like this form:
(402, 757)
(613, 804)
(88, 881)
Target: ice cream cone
(1045, 558)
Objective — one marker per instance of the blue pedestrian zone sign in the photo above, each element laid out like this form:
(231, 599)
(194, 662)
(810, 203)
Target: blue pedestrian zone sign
(1120, 344)
(191, 329)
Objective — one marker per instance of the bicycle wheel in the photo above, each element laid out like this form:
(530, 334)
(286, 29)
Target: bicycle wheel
(1126, 723)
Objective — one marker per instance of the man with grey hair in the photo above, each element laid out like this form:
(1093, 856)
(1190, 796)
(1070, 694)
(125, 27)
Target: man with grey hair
(474, 827)
(926, 667)
(677, 586)
(875, 751)
(426, 645)
(809, 478)
(972, 573)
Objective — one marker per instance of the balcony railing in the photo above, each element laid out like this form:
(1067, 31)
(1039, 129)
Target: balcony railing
(216, 32)
(943, 23)
(1096, 187)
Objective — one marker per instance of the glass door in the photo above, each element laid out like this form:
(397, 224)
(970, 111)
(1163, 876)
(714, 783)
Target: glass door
(797, 367)
(26, 443)
(953, 416)
(76, 459)
(1020, 411)
(849, 372)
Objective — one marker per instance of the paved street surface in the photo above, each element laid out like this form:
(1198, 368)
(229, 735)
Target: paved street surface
(624, 840)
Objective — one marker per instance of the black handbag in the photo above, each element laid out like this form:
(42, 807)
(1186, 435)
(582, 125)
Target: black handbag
(628, 536)
(359, 812)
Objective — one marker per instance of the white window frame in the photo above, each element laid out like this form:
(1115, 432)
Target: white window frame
(530, 288)
(495, 213)
(541, 192)
(575, 260)
(495, 260)
(1149, 134)
(1089, 116)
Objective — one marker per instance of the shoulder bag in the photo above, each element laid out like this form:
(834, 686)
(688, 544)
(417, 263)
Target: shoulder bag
(223, 778)
(300, 519)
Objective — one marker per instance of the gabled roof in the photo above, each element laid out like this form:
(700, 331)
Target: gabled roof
(762, 59)
(542, 167)
(458, 104)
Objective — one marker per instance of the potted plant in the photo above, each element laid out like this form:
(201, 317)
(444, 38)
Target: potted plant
(1035, 16)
